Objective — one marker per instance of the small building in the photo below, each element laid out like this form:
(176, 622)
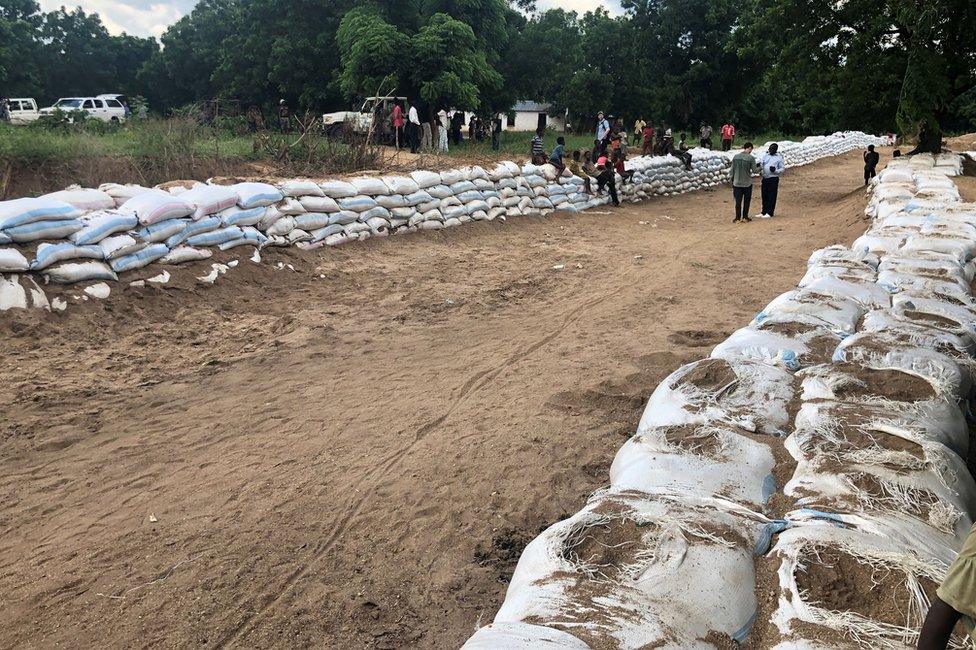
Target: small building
(530, 116)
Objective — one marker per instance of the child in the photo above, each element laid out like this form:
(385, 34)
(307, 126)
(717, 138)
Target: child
(577, 169)
(619, 157)
(607, 177)
(556, 157)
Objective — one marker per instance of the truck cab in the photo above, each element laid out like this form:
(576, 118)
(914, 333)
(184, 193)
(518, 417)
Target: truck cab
(23, 110)
(361, 121)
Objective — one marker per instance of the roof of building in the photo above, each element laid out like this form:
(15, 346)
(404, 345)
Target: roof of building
(531, 107)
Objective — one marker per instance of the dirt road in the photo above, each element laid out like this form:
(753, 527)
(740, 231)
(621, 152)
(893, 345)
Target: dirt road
(356, 460)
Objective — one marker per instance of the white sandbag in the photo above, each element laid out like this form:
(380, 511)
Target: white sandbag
(359, 203)
(140, 258)
(161, 230)
(83, 198)
(451, 176)
(99, 225)
(344, 217)
(401, 184)
(216, 237)
(323, 204)
(256, 195)
(35, 230)
(311, 221)
(703, 460)
(375, 212)
(378, 224)
(122, 193)
(338, 189)
(522, 636)
(425, 179)
(370, 186)
(18, 212)
(50, 254)
(119, 245)
(194, 228)
(12, 260)
(238, 216)
(327, 231)
(72, 272)
(153, 207)
(632, 572)
(440, 191)
(788, 351)
(392, 201)
(210, 199)
(253, 237)
(291, 206)
(301, 187)
(182, 254)
(737, 392)
(282, 227)
(418, 198)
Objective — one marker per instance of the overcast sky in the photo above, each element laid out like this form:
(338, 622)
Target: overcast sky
(152, 17)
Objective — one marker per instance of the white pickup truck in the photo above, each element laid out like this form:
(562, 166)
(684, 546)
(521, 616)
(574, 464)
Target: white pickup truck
(106, 108)
(360, 122)
(23, 110)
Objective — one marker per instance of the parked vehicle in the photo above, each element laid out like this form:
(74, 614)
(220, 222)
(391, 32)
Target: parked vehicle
(361, 122)
(23, 110)
(101, 108)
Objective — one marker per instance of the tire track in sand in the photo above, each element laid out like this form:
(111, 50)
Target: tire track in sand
(353, 508)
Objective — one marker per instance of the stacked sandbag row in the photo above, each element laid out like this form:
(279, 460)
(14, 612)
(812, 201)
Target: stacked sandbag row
(667, 176)
(882, 498)
(94, 234)
(713, 530)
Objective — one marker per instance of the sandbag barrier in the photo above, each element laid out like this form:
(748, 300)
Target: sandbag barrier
(93, 235)
(804, 486)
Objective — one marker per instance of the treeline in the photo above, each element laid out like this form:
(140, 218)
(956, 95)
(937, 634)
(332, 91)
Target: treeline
(794, 66)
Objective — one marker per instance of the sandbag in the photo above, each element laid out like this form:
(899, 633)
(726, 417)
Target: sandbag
(338, 189)
(120, 245)
(140, 258)
(182, 254)
(18, 212)
(299, 187)
(370, 186)
(161, 230)
(72, 272)
(99, 225)
(12, 260)
(49, 254)
(193, 228)
(36, 230)
(83, 198)
(323, 204)
(256, 195)
(237, 216)
(216, 237)
(153, 207)
(210, 199)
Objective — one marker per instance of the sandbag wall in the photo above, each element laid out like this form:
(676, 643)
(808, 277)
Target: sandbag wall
(804, 486)
(92, 235)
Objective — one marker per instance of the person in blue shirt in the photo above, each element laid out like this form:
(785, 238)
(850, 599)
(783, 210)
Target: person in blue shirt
(772, 168)
(556, 157)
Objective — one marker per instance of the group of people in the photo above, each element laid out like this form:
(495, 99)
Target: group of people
(610, 151)
(445, 128)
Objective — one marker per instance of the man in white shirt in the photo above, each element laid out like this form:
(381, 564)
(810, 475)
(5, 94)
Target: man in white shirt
(602, 133)
(772, 168)
(413, 129)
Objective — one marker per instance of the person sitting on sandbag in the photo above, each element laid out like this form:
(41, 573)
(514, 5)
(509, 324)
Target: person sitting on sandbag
(955, 599)
(556, 157)
(576, 168)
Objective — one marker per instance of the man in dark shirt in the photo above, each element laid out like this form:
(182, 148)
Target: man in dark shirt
(284, 117)
(538, 150)
(871, 159)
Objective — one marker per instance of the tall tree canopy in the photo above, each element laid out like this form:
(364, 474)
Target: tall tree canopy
(795, 66)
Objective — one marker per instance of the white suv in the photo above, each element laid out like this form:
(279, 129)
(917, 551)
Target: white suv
(106, 109)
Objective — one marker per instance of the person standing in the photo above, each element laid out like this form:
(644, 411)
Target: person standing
(954, 599)
(397, 119)
(442, 134)
(457, 124)
(496, 131)
(413, 128)
(648, 136)
(602, 134)
(743, 166)
(427, 137)
(537, 150)
(705, 135)
(871, 160)
(284, 117)
(639, 130)
(728, 135)
(772, 168)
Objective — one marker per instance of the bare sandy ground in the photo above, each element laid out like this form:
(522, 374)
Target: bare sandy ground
(356, 460)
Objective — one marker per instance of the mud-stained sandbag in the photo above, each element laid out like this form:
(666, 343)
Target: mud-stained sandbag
(140, 258)
(72, 272)
(12, 260)
(183, 254)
